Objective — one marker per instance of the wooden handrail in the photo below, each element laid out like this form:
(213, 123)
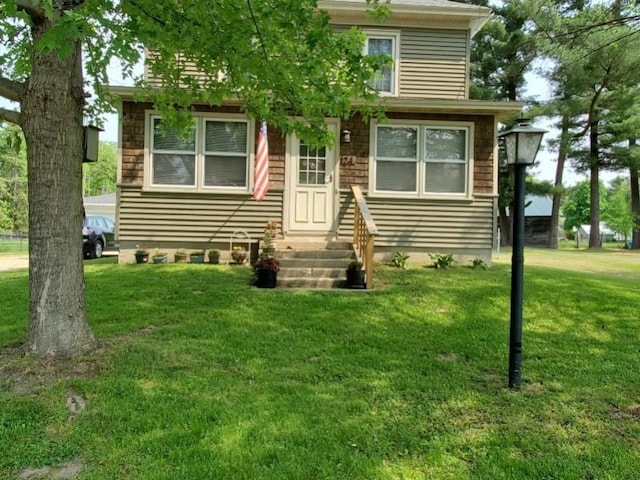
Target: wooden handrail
(364, 234)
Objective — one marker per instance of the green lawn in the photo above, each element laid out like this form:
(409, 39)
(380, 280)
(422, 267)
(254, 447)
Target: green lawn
(203, 377)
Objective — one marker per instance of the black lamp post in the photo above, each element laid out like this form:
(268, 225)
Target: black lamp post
(521, 145)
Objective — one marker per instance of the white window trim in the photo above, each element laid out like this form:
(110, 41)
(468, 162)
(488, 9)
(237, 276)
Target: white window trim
(420, 125)
(199, 186)
(395, 71)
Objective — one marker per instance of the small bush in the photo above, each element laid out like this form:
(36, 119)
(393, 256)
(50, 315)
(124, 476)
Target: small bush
(400, 260)
(441, 260)
(479, 263)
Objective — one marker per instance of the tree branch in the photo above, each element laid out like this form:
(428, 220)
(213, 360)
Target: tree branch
(10, 116)
(11, 90)
(34, 11)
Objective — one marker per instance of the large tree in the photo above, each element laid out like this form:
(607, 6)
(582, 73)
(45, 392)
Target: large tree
(281, 58)
(594, 51)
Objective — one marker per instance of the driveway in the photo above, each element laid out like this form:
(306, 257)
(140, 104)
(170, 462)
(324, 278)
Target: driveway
(21, 260)
(14, 262)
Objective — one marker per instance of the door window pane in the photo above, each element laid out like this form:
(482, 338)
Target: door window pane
(311, 165)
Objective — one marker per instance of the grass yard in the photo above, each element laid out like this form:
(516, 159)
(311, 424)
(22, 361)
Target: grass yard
(201, 376)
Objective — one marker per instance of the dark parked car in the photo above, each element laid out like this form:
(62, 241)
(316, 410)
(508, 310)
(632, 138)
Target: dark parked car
(98, 234)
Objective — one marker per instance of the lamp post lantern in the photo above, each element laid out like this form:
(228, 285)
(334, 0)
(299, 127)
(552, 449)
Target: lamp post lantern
(521, 145)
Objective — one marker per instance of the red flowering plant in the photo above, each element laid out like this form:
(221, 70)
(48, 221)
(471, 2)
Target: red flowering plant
(267, 262)
(270, 234)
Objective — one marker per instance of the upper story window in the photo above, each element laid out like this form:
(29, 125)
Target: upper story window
(384, 43)
(215, 156)
(421, 159)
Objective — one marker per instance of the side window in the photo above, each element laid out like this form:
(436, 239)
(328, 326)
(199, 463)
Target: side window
(226, 154)
(385, 45)
(173, 157)
(396, 159)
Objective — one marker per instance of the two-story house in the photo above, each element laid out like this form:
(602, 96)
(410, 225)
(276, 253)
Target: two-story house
(429, 173)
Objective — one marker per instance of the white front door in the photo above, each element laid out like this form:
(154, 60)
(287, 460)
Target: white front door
(312, 179)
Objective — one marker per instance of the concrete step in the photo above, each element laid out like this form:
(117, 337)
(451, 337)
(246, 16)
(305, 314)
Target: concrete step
(293, 244)
(311, 272)
(301, 282)
(314, 262)
(312, 254)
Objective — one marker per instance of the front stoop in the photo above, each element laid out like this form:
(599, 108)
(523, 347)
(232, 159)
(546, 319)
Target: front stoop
(314, 265)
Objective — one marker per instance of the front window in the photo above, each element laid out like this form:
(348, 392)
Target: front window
(214, 155)
(384, 44)
(421, 160)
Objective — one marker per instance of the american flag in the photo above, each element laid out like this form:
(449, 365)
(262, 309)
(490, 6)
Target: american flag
(261, 179)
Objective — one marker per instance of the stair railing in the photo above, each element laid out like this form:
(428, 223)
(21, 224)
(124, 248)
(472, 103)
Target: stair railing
(364, 234)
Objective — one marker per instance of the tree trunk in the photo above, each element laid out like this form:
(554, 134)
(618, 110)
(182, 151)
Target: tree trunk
(635, 202)
(552, 241)
(505, 227)
(51, 118)
(594, 206)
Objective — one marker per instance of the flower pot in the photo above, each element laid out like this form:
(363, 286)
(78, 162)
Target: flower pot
(239, 256)
(160, 259)
(266, 278)
(196, 258)
(180, 258)
(214, 258)
(142, 257)
(355, 279)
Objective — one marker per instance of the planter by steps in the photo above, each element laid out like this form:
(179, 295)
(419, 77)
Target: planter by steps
(355, 279)
(355, 275)
(266, 278)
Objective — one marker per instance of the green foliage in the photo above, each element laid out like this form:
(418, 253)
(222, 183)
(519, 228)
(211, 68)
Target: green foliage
(576, 207)
(400, 260)
(617, 213)
(442, 260)
(479, 263)
(14, 210)
(100, 177)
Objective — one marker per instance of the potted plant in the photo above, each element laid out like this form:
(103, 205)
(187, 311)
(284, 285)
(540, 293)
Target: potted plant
(214, 256)
(197, 256)
(159, 257)
(180, 256)
(267, 267)
(142, 254)
(239, 254)
(269, 238)
(355, 275)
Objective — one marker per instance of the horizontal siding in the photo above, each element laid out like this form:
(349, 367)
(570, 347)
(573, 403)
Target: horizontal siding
(167, 218)
(433, 63)
(435, 225)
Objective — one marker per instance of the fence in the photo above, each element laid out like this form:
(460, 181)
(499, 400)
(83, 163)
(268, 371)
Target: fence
(14, 242)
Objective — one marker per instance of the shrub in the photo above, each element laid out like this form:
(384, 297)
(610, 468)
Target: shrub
(400, 260)
(442, 260)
